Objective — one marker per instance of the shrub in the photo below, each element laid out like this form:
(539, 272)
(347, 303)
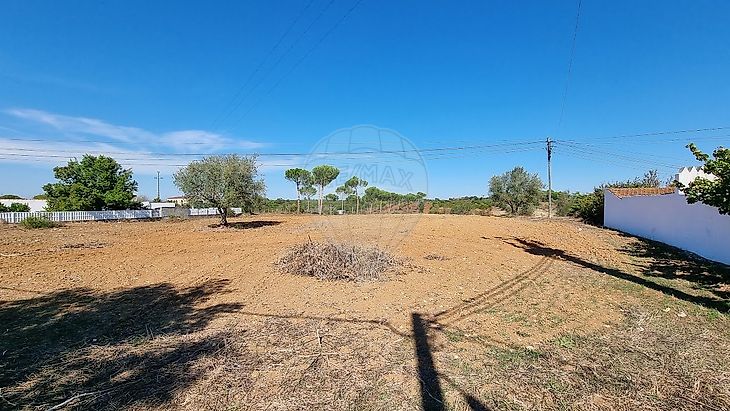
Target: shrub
(19, 207)
(38, 222)
(332, 261)
(589, 207)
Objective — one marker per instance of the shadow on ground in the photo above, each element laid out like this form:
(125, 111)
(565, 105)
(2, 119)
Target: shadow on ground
(243, 225)
(660, 261)
(673, 263)
(105, 350)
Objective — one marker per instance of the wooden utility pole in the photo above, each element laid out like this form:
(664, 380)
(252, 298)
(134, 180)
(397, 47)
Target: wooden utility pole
(549, 144)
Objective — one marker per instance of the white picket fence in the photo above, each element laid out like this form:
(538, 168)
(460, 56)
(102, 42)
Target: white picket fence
(16, 217)
(210, 211)
(203, 211)
(67, 216)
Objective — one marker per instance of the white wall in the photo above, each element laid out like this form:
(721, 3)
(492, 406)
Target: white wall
(35, 205)
(668, 218)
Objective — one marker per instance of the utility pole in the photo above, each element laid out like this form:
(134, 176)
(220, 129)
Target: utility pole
(158, 178)
(549, 144)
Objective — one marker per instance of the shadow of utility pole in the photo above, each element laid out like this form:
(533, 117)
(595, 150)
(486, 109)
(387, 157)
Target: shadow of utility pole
(432, 398)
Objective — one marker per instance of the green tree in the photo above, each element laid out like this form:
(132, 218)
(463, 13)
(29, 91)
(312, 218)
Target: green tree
(19, 207)
(221, 182)
(332, 198)
(322, 176)
(10, 197)
(343, 191)
(40, 197)
(516, 191)
(301, 178)
(94, 183)
(715, 192)
(308, 191)
(354, 183)
(651, 179)
(589, 207)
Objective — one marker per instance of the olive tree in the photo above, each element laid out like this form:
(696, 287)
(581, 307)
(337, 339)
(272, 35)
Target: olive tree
(715, 192)
(354, 183)
(322, 176)
(516, 191)
(301, 178)
(221, 182)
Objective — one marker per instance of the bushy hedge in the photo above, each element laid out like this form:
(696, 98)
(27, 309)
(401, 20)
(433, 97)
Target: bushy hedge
(14, 207)
(38, 222)
(463, 205)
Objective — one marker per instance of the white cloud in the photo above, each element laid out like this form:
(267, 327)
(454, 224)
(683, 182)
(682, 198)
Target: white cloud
(143, 150)
(83, 125)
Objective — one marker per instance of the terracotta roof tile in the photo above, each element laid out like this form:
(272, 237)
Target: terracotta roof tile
(645, 191)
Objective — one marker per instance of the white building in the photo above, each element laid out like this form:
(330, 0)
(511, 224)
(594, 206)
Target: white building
(178, 200)
(35, 205)
(688, 174)
(663, 214)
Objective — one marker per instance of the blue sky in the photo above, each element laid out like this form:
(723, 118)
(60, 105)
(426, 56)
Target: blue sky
(144, 81)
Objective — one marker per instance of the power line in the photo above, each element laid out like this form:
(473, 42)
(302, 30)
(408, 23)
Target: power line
(301, 60)
(612, 162)
(638, 158)
(260, 65)
(570, 64)
(617, 160)
(603, 150)
(657, 133)
(167, 163)
(593, 139)
(291, 154)
(281, 58)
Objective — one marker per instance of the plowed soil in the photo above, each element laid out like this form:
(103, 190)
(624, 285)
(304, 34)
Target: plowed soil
(492, 312)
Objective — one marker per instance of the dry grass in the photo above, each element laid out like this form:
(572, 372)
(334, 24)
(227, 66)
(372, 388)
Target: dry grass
(334, 261)
(435, 257)
(646, 363)
(508, 315)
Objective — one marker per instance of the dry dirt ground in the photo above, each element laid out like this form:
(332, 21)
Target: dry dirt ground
(492, 313)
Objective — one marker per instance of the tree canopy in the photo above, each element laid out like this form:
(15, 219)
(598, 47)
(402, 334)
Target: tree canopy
(322, 176)
(715, 192)
(94, 183)
(221, 182)
(308, 191)
(301, 178)
(516, 191)
(354, 183)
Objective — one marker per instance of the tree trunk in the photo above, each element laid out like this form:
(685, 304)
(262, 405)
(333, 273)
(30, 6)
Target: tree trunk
(299, 196)
(321, 189)
(357, 199)
(224, 218)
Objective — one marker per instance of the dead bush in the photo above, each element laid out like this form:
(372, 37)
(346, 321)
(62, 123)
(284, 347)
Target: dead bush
(334, 261)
